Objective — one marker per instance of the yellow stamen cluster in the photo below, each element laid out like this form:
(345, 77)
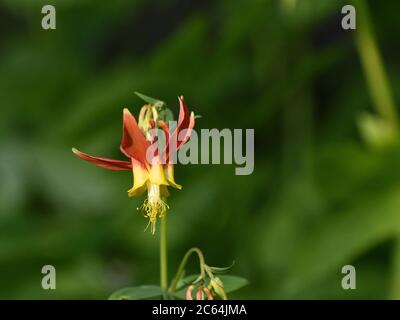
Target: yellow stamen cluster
(153, 206)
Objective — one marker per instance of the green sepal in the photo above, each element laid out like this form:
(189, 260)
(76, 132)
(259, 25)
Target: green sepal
(150, 100)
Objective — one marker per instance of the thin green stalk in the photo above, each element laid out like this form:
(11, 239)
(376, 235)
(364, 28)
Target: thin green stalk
(182, 266)
(373, 66)
(163, 254)
(381, 94)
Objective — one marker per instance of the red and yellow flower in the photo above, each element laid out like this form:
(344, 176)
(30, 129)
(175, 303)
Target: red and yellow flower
(156, 174)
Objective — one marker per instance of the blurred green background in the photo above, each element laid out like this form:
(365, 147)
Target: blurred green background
(325, 191)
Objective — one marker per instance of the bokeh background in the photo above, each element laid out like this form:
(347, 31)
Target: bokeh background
(325, 191)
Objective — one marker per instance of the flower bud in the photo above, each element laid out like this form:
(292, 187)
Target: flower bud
(217, 285)
(199, 294)
(189, 291)
(208, 293)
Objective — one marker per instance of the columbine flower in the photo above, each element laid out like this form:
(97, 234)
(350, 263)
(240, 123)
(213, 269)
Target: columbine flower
(156, 174)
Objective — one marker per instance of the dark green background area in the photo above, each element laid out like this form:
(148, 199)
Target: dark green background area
(319, 198)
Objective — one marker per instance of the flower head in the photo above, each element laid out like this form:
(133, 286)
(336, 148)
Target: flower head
(152, 173)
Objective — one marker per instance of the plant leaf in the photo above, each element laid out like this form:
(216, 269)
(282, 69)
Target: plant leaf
(232, 283)
(148, 99)
(137, 293)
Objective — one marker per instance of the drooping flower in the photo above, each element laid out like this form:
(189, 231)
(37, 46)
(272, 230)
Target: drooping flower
(154, 174)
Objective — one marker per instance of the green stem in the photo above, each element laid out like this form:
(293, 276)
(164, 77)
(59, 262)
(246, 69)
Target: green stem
(371, 59)
(163, 254)
(384, 103)
(182, 266)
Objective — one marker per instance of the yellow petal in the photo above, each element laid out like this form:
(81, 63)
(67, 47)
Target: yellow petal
(140, 178)
(157, 175)
(170, 177)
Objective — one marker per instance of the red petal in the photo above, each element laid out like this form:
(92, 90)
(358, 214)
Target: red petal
(167, 137)
(185, 121)
(134, 143)
(183, 118)
(188, 131)
(104, 162)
